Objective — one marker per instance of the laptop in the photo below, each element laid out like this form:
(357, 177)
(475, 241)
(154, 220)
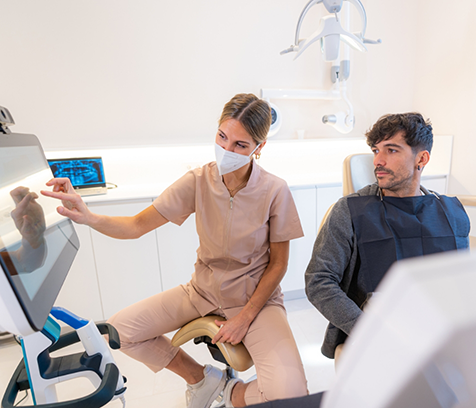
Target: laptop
(86, 174)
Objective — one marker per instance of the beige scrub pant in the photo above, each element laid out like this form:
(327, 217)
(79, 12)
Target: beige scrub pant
(270, 342)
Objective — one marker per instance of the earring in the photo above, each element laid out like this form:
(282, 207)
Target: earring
(418, 167)
(257, 156)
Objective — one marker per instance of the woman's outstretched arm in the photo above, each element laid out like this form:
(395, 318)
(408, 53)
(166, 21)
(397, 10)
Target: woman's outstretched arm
(75, 209)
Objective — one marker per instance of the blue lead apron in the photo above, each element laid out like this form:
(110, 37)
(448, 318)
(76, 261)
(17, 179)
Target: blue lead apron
(393, 228)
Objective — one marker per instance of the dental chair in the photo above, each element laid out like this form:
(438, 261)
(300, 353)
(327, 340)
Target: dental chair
(358, 171)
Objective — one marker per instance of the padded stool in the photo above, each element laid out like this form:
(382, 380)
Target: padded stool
(203, 330)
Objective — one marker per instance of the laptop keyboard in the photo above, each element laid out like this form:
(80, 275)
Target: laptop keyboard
(91, 191)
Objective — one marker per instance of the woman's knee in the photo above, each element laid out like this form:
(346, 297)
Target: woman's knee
(120, 324)
(291, 384)
(279, 386)
(274, 351)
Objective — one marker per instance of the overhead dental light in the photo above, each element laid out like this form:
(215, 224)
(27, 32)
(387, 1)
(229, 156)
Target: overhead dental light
(330, 31)
(333, 30)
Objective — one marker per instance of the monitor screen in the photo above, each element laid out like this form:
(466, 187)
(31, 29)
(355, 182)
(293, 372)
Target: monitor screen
(37, 245)
(83, 171)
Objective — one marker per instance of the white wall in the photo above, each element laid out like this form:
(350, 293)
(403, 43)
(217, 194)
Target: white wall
(90, 73)
(446, 91)
(121, 72)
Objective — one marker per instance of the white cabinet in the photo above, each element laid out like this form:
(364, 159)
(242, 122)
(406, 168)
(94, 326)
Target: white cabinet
(80, 291)
(177, 252)
(128, 270)
(312, 203)
(301, 249)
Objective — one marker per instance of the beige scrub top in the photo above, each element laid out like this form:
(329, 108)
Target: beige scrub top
(234, 233)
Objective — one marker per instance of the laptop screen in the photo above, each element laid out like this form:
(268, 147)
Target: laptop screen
(84, 172)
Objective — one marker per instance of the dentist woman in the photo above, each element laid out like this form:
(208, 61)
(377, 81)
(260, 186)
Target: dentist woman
(245, 219)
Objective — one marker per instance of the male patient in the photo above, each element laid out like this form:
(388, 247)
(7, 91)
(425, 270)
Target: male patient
(392, 219)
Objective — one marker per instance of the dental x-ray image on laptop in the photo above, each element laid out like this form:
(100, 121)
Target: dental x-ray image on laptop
(86, 174)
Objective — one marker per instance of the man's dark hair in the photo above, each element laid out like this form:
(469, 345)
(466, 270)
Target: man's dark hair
(417, 132)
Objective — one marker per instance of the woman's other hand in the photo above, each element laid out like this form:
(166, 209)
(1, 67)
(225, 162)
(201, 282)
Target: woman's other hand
(73, 205)
(232, 330)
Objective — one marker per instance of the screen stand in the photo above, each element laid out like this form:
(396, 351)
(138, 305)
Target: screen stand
(34, 348)
(44, 372)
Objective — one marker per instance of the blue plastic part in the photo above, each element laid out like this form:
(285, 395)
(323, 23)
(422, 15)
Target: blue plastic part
(27, 367)
(69, 318)
(51, 330)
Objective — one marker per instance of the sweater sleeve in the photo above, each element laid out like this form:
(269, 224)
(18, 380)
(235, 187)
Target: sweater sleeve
(330, 269)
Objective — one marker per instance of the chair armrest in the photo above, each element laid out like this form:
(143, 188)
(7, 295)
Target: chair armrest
(467, 200)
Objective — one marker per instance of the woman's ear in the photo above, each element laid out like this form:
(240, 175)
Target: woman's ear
(258, 150)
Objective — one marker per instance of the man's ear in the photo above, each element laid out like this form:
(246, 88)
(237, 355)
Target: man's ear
(423, 158)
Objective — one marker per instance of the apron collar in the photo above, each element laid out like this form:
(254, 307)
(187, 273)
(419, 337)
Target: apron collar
(423, 191)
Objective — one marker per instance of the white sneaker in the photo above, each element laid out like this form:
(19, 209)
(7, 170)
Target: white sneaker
(228, 391)
(202, 394)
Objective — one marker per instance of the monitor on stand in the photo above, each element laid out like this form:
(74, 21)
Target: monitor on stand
(37, 245)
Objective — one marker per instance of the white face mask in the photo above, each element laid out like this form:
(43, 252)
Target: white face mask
(230, 161)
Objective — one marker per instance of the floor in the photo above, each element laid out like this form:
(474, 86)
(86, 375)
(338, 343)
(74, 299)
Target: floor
(165, 389)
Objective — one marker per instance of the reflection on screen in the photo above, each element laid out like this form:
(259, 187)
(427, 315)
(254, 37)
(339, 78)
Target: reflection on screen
(32, 234)
(81, 172)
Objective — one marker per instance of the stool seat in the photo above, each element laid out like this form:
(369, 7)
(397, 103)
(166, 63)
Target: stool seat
(237, 356)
